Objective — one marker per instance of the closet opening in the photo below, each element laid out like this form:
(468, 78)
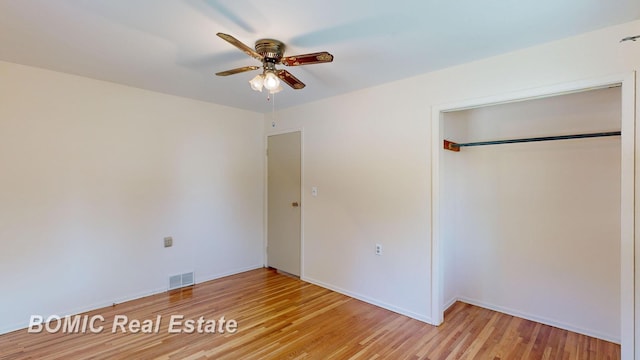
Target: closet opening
(540, 228)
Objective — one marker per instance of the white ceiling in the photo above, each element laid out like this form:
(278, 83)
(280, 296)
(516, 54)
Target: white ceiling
(170, 46)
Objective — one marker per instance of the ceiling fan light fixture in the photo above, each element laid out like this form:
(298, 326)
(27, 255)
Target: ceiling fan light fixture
(276, 90)
(271, 81)
(257, 82)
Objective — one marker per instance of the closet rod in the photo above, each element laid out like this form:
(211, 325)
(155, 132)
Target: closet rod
(450, 145)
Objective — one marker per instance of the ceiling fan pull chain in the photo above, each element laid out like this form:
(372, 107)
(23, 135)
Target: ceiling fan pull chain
(273, 111)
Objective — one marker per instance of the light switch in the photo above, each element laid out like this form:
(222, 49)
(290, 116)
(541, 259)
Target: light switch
(314, 191)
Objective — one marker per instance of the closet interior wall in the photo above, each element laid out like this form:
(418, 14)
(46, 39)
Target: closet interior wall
(533, 229)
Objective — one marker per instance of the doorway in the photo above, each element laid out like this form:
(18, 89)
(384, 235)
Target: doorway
(533, 228)
(628, 193)
(284, 202)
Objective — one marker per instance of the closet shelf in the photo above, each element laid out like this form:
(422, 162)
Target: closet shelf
(452, 146)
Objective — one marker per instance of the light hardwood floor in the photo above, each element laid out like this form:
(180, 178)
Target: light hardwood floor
(280, 317)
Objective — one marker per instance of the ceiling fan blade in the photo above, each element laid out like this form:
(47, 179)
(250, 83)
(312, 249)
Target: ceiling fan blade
(291, 80)
(237, 43)
(307, 59)
(237, 70)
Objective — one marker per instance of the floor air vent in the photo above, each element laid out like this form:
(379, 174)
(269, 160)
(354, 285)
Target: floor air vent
(182, 280)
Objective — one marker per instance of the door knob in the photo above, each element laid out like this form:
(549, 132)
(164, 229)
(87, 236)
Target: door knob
(295, 204)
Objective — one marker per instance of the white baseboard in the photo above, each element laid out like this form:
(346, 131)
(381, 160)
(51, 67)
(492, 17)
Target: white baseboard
(119, 300)
(542, 320)
(228, 273)
(84, 309)
(449, 303)
(369, 300)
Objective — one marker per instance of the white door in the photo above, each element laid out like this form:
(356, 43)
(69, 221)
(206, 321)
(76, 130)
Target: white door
(283, 198)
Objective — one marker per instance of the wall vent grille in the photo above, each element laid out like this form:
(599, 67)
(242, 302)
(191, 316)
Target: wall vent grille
(181, 280)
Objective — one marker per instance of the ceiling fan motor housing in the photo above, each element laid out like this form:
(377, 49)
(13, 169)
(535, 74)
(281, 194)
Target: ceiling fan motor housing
(271, 49)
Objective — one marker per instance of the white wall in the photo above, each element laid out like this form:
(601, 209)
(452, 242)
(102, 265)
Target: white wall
(534, 229)
(94, 175)
(369, 154)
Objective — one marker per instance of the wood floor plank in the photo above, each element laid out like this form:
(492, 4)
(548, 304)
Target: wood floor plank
(280, 317)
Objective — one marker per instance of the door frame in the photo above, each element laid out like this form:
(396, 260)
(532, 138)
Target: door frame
(265, 219)
(629, 181)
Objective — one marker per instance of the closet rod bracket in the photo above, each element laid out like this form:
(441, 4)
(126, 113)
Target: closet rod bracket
(450, 145)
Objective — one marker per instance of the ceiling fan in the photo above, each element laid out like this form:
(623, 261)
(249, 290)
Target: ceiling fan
(271, 53)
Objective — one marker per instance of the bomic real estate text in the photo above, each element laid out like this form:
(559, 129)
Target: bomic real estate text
(122, 324)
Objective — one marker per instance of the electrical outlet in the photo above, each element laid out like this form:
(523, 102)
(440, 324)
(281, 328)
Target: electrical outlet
(378, 249)
(168, 241)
